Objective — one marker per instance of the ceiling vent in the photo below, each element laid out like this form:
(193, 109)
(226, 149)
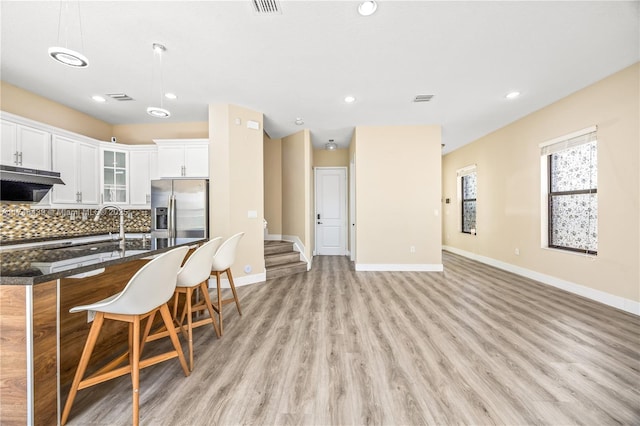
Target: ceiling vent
(422, 98)
(119, 96)
(266, 7)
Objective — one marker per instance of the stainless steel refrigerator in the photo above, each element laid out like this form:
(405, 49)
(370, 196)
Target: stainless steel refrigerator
(180, 208)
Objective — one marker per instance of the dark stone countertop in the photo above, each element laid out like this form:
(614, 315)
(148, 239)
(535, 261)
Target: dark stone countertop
(34, 265)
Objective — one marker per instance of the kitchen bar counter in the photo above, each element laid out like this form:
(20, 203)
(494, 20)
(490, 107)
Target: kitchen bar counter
(41, 340)
(40, 264)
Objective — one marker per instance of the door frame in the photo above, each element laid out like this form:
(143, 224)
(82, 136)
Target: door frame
(352, 209)
(315, 208)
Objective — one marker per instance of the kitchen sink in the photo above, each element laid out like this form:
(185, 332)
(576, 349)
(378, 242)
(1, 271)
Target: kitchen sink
(139, 243)
(94, 245)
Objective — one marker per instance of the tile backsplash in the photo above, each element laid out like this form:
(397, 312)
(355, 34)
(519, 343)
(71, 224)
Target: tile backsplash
(21, 222)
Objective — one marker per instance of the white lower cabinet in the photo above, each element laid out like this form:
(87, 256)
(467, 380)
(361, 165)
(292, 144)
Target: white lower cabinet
(77, 162)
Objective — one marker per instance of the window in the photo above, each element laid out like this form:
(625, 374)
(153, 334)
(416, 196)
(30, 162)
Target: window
(572, 192)
(468, 197)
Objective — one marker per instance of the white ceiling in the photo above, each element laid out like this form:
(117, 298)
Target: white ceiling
(304, 61)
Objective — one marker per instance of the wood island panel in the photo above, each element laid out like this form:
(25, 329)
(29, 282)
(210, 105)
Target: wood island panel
(45, 386)
(13, 356)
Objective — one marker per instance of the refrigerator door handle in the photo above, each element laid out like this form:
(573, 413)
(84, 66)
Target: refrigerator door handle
(170, 224)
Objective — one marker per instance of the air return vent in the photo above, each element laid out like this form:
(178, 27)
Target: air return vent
(119, 96)
(266, 7)
(422, 98)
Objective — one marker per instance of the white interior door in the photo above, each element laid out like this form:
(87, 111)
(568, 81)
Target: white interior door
(331, 210)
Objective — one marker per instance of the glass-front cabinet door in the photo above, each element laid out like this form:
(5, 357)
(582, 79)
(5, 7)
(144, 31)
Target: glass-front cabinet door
(114, 170)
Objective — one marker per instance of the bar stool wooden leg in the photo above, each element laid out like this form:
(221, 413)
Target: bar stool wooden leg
(219, 302)
(166, 316)
(207, 300)
(233, 289)
(82, 366)
(135, 370)
(189, 325)
(147, 330)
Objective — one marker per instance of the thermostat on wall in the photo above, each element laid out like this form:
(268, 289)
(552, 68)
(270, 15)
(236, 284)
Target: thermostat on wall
(253, 125)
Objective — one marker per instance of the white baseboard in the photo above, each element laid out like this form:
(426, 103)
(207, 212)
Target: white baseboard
(239, 281)
(618, 302)
(402, 267)
(273, 237)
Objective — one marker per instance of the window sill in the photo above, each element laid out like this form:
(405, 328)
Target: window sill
(573, 253)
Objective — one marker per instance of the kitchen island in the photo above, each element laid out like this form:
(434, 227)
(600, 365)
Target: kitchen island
(41, 341)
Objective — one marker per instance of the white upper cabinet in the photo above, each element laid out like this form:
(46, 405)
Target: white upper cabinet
(114, 176)
(77, 162)
(143, 168)
(183, 158)
(24, 146)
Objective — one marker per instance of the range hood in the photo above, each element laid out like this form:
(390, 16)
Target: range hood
(24, 185)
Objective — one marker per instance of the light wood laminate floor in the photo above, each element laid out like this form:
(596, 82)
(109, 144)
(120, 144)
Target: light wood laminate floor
(471, 345)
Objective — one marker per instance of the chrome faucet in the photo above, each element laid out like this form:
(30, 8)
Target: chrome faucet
(120, 211)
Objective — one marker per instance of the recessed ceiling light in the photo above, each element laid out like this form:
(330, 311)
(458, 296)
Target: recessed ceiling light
(512, 95)
(349, 99)
(299, 121)
(367, 8)
(171, 96)
(98, 98)
(158, 112)
(69, 57)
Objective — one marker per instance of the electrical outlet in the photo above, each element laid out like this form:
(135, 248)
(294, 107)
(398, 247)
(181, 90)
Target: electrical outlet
(517, 251)
(412, 249)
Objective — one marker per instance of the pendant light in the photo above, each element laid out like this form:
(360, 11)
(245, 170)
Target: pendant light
(64, 55)
(159, 112)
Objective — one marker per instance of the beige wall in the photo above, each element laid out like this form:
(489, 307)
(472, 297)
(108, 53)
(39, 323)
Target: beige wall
(135, 134)
(297, 188)
(509, 188)
(29, 105)
(236, 183)
(326, 158)
(273, 184)
(398, 187)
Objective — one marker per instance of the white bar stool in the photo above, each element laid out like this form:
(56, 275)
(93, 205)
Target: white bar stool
(222, 262)
(195, 274)
(146, 293)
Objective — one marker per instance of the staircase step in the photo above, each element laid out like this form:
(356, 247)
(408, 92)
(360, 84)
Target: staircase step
(281, 258)
(274, 247)
(286, 269)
